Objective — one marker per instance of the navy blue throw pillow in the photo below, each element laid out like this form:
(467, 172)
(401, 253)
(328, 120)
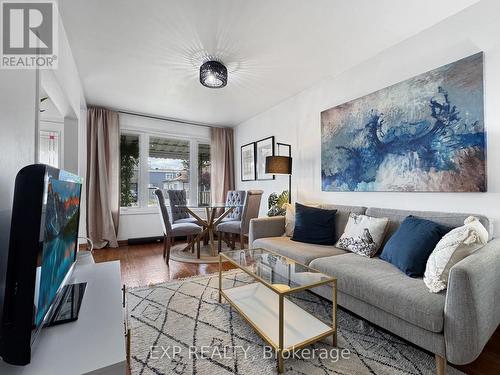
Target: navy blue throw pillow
(314, 225)
(412, 244)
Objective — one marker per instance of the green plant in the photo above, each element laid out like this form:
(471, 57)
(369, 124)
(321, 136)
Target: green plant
(276, 203)
(129, 160)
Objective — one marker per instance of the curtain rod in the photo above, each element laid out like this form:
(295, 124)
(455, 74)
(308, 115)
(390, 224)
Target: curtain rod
(166, 119)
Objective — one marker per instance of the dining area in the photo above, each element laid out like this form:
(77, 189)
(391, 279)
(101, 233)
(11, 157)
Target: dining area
(208, 229)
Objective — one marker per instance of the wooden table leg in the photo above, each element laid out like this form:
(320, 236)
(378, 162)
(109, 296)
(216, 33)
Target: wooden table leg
(216, 222)
(197, 240)
(210, 223)
(212, 243)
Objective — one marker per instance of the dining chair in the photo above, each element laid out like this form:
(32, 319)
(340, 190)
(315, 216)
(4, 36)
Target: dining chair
(235, 198)
(249, 211)
(170, 231)
(179, 214)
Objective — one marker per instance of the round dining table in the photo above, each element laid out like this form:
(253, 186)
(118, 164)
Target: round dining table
(210, 223)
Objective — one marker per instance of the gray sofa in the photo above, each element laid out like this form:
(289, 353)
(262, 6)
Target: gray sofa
(455, 324)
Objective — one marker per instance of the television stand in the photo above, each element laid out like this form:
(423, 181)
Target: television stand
(95, 343)
(68, 305)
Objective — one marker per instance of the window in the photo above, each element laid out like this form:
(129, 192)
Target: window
(150, 162)
(49, 143)
(129, 170)
(168, 166)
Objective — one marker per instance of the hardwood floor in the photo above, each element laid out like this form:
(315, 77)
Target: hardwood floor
(143, 265)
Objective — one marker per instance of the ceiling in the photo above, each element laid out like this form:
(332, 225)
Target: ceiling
(144, 56)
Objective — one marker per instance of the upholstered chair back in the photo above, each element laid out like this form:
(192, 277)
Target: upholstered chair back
(177, 197)
(165, 220)
(236, 197)
(250, 209)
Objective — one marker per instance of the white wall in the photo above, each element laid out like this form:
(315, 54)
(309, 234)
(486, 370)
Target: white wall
(64, 87)
(297, 120)
(18, 97)
(19, 105)
(145, 221)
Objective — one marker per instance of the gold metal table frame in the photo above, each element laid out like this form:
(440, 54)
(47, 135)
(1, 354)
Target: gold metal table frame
(279, 346)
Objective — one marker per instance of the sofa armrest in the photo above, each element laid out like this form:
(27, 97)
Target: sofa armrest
(266, 227)
(472, 309)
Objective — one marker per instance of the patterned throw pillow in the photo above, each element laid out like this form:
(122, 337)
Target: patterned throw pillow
(363, 234)
(453, 247)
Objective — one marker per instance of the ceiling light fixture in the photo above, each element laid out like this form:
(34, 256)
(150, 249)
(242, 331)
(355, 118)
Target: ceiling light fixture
(213, 74)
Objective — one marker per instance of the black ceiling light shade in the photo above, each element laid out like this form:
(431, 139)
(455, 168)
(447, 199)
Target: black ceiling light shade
(213, 74)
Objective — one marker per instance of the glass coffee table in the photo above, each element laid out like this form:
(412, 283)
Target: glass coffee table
(263, 304)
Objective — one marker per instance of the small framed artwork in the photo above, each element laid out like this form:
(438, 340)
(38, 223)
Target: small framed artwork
(248, 162)
(284, 149)
(264, 148)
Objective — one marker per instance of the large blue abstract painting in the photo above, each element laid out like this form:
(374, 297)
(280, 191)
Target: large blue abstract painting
(423, 134)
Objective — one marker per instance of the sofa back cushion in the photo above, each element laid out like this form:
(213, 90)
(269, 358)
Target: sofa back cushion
(342, 216)
(314, 225)
(413, 242)
(445, 218)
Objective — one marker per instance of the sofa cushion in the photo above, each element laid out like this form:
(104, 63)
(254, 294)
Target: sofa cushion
(363, 234)
(412, 244)
(445, 218)
(455, 246)
(299, 251)
(290, 217)
(382, 285)
(342, 215)
(314, 225)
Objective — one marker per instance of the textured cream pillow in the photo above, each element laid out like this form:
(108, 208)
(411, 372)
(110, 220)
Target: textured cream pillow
(290, 217)
(453, 247)
(363, 234)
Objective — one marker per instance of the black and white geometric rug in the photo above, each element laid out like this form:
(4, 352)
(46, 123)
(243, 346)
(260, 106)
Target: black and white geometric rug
(179, 327)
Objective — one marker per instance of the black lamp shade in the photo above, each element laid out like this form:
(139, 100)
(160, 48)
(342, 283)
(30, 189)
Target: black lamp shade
(213, 74)
(279, 165)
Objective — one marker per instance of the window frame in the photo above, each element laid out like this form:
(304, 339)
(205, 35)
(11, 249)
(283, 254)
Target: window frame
(143, 206)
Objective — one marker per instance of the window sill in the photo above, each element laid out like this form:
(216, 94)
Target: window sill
(138, 210)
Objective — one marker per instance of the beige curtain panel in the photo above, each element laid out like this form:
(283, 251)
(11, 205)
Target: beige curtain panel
(103, 177)
(222, 156)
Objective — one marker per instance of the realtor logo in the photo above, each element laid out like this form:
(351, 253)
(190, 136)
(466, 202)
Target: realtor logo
(29, 34)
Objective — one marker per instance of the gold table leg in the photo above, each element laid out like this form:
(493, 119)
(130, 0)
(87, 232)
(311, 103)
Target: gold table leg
(281, 367)
(334, 313)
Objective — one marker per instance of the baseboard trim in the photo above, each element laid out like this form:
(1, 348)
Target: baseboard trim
(143, 240)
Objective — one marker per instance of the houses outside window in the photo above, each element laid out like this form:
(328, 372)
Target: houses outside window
(150, 161)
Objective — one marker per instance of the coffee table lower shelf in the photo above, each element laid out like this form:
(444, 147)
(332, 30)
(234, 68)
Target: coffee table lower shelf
(259, 306)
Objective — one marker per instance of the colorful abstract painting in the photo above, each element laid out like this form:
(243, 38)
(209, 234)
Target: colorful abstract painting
(423, 134)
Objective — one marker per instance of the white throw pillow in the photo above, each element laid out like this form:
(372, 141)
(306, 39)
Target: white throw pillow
(290, 217)
(363, 234)
(456, 245)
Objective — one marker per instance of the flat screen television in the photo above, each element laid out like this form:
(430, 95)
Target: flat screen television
(41, 255)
